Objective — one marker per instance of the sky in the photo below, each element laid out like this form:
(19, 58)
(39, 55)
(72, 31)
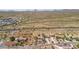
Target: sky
(39, 4)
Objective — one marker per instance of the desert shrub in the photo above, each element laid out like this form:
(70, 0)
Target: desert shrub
(18, 44)
(0, 39)
(77, 45)
(77, 39)
(1, 17)
(12, 38)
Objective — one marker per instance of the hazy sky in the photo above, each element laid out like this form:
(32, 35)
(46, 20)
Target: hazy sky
(39, 4)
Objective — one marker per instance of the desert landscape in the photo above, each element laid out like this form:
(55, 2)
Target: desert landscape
(39, 29)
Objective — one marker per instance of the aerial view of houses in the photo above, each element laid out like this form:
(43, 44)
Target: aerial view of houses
(39, 29)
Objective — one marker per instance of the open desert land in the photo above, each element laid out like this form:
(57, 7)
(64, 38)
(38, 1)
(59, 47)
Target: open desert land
(42, 20)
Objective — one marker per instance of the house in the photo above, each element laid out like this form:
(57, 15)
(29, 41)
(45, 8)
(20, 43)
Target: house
(1, 42)
(39, 41)
(53, 39)
(20, 38)
(47, 39)
(46, 46)
(63, 46)
(57, 47)
(9, 44)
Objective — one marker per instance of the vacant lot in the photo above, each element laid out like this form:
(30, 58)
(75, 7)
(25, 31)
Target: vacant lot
(42, 21)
